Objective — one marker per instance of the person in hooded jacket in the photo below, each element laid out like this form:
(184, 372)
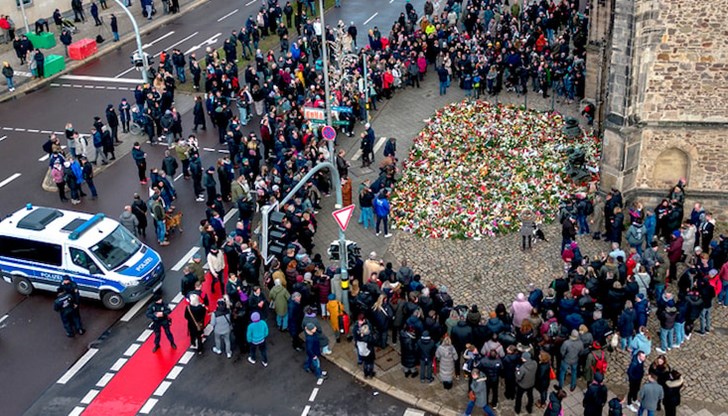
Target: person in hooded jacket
(222, 327)
(492, 367)
(595, 397)
(257, 334)
(408, 352)
(554, 408)
(478, 394)
(461, 335)
(525, 381)
(673, 386)
(511, 361)
(426, 353)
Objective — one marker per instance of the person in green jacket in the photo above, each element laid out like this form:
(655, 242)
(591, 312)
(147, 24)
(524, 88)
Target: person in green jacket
(279, 296)
(257, 333)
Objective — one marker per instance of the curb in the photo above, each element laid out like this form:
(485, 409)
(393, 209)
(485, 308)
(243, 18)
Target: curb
(397, 393)
(32, 86)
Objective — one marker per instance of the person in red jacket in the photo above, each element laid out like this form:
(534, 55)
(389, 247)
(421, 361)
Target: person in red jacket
(674, 253)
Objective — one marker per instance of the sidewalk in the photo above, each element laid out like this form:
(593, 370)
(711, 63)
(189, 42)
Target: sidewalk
(24, 83)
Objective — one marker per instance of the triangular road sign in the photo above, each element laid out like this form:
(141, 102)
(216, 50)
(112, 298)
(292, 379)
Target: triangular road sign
(343, 215)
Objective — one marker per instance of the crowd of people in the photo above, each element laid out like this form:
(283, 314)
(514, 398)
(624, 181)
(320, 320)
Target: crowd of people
(543, 335)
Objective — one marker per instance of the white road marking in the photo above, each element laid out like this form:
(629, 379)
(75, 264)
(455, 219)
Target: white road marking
(209, 42)
(7, 128)
(391, 1)
(6, 316)
(183, 40)
(77, 366)
(121, 74)
(136, 308)
(312, 397)
(100, 79)
(208, 330)
(99, 87)
(118, 364)
(370, 19)
(148, 406)
(229, 215)
(131, 350)
(19, 129)
(12, 177)
(178, 298)
(186, 357)
(144, 335)
(3, 138)
(250, 2)
(223, 151)
(46, 131)
(77, 411)
(104, 380)
(162, 388)
(413, 412)
(33, 131)
(379, 144)
(178, 176)
(53, 84)
(186, 258)
(89, 86)
(88, 398)
(159, 39)
(78, 86)
(319, 381)
(174, 373)
(227, 15)
(306, 410)
(208, 149)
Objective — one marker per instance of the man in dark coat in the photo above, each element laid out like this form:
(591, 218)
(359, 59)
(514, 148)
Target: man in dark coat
(295, 320)
(595, 397)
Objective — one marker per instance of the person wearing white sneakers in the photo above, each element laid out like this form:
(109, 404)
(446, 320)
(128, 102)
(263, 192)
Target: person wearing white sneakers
(8, 74)
(635, 373)
(382, 208)
(257, 333)
(221, 325)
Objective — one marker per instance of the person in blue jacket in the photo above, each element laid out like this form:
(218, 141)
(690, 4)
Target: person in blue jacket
(381, 208)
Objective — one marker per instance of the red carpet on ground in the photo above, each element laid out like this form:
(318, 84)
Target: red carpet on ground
(134, 384)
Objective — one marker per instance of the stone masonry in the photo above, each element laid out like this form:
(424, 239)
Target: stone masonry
(667, 97)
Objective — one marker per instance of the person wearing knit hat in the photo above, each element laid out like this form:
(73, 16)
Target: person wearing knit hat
(256, 335)
(595, 396)
(313, 350)
(570, 351)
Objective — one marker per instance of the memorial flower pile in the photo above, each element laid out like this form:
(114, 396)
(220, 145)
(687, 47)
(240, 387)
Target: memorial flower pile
(475, 167)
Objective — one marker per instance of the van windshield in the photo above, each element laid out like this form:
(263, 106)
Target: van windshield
(116, 248)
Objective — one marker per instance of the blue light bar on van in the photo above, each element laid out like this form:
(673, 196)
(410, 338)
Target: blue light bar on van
(76, 234)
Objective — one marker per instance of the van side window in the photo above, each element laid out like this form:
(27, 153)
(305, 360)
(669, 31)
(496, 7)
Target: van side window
(81, 259)
(30, 250)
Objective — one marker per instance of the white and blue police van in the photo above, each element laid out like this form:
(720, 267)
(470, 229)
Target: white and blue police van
(39, 246)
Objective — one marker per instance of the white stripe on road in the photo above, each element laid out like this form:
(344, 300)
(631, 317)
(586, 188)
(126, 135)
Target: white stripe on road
(118, 364)
(178, 176)
(370, 19)
(77, 366)
(6, 316)
(77, 411)
(33, 131)
(229, 215)
(183, 40)
(178, 266)
(104, 380)
(7, 128)
(320, 381)
(174, 373)
(148, 406)
(144, 335)
(306, 410)
(99, 79)
(162, 388)
(186, 357)
(136, 308)
(377, 146)
(312, 397)
(227, 15)
(121, 74)
(12, 177)
(159, 39)
(131, 350)
(88, 398)
(3, 138)
(177, 299)
(250, 2)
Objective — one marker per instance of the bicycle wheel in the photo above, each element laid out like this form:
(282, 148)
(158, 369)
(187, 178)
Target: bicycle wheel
(135, 128)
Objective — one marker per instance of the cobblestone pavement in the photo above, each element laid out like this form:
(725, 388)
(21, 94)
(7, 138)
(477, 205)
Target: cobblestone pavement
(494, 270)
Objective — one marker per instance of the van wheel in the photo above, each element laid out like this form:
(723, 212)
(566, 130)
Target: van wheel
(112, 300)
(23, 285)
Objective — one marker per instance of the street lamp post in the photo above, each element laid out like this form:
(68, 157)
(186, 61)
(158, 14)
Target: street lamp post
(335, 179)
(140, 50)
(25, 18)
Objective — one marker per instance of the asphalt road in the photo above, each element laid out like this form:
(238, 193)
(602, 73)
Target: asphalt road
(34, 351)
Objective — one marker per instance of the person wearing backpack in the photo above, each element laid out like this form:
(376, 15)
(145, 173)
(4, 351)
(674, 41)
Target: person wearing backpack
(596, 363)
(595, 397)
(636, 236)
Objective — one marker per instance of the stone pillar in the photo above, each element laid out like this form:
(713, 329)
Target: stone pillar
(597, 58)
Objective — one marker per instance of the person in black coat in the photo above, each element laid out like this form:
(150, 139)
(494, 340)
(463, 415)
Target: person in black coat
(295, 320)
(672, 393)
(543, 377)
(113, 121)
(408, 351)
(426, 353)
(40, 63)
(595, 397)
(510, 362)
(461, 334)
(198, 114)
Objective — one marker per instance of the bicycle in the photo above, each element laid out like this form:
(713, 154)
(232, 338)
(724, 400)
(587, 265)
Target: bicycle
(138, 124)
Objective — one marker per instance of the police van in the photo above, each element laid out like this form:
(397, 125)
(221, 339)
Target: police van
(38, 246)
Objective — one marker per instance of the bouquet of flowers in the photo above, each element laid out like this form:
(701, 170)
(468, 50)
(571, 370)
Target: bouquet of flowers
(476, 166)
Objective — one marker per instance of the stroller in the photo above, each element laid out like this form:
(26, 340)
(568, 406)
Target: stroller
(68, 24)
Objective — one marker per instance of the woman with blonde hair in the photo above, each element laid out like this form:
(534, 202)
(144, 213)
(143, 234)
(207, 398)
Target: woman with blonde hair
(446, 357)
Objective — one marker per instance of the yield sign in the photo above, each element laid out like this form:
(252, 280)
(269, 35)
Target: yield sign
(343, 215)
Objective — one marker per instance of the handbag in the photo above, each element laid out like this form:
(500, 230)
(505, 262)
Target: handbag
(471, 396)
(198, 325)
(552, 374)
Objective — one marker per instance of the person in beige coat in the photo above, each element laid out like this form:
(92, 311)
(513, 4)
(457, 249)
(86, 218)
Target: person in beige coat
(372, 265)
